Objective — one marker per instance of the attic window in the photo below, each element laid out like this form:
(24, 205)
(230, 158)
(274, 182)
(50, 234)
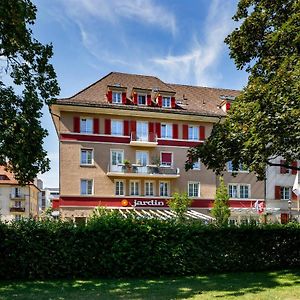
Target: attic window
(166, 102)
(3, 177)
(116, 97)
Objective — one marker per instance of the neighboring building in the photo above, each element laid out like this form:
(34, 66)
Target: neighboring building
(46, 196)
(123, 143)
(280, 200)
(17, 201)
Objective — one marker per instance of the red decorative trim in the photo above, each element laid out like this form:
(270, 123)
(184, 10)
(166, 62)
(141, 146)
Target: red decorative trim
(94, 138)
(179, 143)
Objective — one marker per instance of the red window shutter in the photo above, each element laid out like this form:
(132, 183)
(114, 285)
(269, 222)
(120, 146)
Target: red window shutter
(124, 98)
(277, 192)
(294, 196)
(284, 218)
(157, 129)
(173, 102)
(107, 126)
(201, 133)
(109, 96)
(159, 101)
(135, 98)
(96, 126)
(149, 101)
(133, 126)
(282, 168)
(166, 158)
(175, 131)
(185, 131)
(76, 124)
(227, 106)
(126, 127)
(294, 164)
(151, 127)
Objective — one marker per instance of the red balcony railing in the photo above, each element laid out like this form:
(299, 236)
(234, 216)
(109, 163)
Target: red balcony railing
(151, 137)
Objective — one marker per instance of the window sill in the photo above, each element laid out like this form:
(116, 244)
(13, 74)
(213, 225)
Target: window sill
(87, 166)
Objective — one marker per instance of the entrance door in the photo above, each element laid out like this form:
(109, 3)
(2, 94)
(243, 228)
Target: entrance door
(142, 158)
(117, 158)
(142, 131)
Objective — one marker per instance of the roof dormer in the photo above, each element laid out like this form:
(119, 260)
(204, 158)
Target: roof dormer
(116, 94)
(165, 99)
(141, 97)
(226, 103)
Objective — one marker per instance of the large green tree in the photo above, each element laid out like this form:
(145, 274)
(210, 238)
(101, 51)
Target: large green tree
(27, 81)
(264, 121)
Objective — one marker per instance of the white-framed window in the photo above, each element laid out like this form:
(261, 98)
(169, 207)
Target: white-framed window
(193, 133)
(86, 157)
(117, 127)
(18, 217)
(241, 168)
(241, 191)
(142, 99)
(116, 97)
(166, 131)
(285, 192)
(166, 159)
(18, 203)
(86, 125)
(86, 187)
(149, 188)
(194, 189)
(164, 187)
(197, 165)
(16, 192)
(134, 188)
(166, 101)
(119, 188)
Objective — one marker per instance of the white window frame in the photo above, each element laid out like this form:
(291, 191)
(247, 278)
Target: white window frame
(282, 195)
(118, 188)
(195, 133)
(82, 163)
(153, 188)
(239, 170)
(168, 99)
(114, 99)
(87, 180)
(244, 185)
(193, 183)
(238, 190)
(169, 129)
(117, 168)
(87, 127)
(195, 167)
(168, 188)
(136, 192)
(172, 161)
(119, 124)
(138, 99)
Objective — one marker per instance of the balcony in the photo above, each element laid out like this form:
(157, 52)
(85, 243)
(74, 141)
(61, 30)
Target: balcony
(149, 171)
(17, 197)
(17, 209)
(147, 140)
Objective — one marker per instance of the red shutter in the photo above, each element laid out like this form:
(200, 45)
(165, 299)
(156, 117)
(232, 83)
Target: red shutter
(149, 101)
(151, 127)
(159, 101)
(166, 158)
(126, 127)
(76, 124)
(185, 131)
(133, 126)
(124, 98)
(135, 98)
(157, 129)
(173, 102)
(201, 133)
(96, 126)
(175, 131)
(282, 168)
(107, 126)
(284, 218)
(227, 106)
(109, 96)
(294, 196)
(294, 164)
(277, 192)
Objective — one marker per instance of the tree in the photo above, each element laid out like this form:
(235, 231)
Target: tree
(263, 123)
(25, 63)
(221, 210)
(180, 203)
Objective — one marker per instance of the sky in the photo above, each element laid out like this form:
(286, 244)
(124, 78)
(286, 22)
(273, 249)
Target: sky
(179, 41)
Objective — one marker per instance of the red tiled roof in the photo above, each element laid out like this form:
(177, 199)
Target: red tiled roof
(10, 177)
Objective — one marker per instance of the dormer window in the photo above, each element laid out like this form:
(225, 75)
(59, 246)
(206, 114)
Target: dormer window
(116, 97)
(166, 101)
(141, 99)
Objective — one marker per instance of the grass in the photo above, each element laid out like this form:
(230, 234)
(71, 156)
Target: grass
(259, 286)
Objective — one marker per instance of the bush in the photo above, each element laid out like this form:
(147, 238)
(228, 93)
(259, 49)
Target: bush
(110, 246)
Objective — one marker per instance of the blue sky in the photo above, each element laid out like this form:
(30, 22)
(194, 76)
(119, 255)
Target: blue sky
(179, 41)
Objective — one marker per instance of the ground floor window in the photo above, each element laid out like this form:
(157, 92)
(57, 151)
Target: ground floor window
(86, 187)
(149, 188)
(164, 188)
(119, 188)
(285, 193)
(18, 217)
(241, 191)
(134, 188)
(194, 189)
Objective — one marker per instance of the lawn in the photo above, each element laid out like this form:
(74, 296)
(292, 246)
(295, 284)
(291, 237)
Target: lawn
(264, 285)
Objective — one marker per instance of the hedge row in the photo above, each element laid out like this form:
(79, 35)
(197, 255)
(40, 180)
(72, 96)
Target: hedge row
(111, 246)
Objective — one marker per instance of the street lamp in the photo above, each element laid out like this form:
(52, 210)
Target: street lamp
(290, 210)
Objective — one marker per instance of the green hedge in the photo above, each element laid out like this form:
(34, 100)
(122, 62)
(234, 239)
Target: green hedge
(111, 246)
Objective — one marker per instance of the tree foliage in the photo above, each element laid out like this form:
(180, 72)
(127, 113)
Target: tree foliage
(221, 210)
(264, 121)
(27, 81)
(180, 203)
